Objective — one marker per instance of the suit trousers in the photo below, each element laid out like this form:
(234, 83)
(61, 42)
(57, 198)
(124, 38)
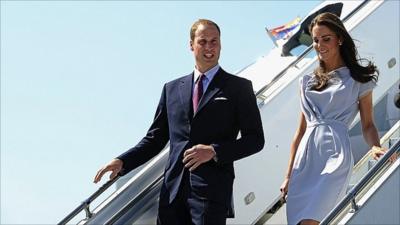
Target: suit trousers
(188, 208)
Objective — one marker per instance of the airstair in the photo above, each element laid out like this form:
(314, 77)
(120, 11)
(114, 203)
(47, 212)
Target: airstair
(258, 177)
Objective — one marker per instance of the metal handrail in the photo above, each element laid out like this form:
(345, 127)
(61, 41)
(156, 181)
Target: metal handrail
(350, 197)
(85, 204)
(134, 201)
(280, 75)
(270, 211)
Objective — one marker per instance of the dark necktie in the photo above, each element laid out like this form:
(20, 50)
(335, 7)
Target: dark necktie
(198, 92)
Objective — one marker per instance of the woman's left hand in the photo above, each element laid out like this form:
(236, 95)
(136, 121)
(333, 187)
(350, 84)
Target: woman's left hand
(377, 152)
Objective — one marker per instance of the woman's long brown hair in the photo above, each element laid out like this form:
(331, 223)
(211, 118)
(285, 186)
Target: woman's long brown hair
(348, 52)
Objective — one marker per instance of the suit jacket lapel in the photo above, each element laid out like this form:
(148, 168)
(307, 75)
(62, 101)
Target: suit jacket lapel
(213, 88)
(185, 93)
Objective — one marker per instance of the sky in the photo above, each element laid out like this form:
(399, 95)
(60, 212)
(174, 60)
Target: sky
(80, 81)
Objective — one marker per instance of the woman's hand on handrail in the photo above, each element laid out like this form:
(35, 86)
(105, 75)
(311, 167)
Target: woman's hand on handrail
(377, 152)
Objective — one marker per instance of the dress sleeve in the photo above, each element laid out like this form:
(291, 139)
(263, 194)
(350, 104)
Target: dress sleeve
(301, 82)
(365, 88)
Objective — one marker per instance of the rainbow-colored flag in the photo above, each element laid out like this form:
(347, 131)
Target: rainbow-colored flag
(284, 31)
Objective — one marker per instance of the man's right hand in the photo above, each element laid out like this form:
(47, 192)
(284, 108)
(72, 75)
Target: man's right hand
(114, 166)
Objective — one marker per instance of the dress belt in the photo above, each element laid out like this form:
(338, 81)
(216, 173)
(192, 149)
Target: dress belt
(328, 122)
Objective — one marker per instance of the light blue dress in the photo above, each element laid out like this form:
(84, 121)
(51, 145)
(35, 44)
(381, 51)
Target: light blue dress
(324, 161)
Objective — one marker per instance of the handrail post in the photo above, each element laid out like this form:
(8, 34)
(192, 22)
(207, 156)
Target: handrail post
(87, 210)
(354, 206)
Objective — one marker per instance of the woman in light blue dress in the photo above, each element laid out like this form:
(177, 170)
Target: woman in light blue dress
(321, 161)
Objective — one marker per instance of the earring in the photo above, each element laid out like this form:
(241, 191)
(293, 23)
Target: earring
(340, 43)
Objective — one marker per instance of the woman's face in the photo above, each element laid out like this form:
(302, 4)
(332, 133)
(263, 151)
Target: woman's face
(326, 43)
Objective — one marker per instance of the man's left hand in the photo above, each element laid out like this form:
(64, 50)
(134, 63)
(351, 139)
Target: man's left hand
(197, 155)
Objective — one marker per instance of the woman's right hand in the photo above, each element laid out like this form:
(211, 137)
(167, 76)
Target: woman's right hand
(284, 187)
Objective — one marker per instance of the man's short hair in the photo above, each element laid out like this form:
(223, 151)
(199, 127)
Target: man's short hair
(201, 22)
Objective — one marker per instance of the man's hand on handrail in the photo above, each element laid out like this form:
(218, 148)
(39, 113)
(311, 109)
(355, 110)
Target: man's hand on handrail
(115, 166)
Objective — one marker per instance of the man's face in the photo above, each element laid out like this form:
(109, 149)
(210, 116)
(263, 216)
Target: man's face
(206, 47)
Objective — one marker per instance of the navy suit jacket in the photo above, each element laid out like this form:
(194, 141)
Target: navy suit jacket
(227, 107)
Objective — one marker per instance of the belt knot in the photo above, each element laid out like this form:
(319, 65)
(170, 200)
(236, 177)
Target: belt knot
(319, 122)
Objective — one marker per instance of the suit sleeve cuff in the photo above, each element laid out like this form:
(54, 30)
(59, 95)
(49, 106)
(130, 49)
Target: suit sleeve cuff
(214, 146)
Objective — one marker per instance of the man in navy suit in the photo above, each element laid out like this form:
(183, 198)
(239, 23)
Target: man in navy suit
(201, 114)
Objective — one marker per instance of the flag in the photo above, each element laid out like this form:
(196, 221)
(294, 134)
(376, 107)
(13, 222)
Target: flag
(283, 32)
